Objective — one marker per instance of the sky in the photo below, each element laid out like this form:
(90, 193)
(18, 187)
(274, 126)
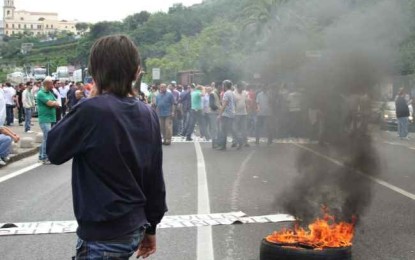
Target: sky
(94, 11)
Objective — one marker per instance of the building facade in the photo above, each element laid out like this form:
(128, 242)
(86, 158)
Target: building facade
(35, 23)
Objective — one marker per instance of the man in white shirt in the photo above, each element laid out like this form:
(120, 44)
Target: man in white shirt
(63, 91)
(28, 101)
(58, 97)
(241, 116)
(10, 99)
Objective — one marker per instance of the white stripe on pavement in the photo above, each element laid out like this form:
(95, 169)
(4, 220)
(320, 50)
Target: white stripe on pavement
(379, 181)
(19, 172)
(204, 234)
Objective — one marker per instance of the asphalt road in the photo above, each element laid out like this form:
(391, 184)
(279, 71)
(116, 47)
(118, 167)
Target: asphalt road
(251, 180)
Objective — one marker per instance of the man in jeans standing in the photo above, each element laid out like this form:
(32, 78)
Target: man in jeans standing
(10, 98)
(226, 115)
(165, 110)
(402, 113)
(47, 105)
(28, 102)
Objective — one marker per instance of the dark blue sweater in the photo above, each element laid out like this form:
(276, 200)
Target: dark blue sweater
(117, 177)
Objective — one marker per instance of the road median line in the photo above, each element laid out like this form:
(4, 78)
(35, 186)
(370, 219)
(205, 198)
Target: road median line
(204, 234)
(19, 172)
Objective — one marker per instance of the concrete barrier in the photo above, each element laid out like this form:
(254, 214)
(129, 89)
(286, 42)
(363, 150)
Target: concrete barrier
(26, 142)
(14, 148)
(39, 138)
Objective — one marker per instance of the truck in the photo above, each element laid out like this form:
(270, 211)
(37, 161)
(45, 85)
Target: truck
(39, 73)
(62, 73)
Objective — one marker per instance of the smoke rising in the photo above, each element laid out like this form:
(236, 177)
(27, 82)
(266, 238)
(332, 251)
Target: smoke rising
(334, 52)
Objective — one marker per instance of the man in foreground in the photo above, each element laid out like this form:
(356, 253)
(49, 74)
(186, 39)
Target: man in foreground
(114, 140)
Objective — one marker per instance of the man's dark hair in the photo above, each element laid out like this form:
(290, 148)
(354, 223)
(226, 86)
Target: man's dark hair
(8, 84)
(113, 64)
(28, 83)
(227, 84)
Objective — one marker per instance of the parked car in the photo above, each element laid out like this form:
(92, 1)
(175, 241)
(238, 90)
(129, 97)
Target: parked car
(389, 120)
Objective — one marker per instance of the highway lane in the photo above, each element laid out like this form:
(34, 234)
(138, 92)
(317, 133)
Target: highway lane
(250, 180)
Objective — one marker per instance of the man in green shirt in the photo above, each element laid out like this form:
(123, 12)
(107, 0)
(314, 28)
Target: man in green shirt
(47, 105)
(195, 112)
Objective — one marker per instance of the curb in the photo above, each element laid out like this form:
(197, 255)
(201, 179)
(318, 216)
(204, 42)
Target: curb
(22, 155)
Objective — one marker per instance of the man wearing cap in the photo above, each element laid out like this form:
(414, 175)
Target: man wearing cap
(47, 105)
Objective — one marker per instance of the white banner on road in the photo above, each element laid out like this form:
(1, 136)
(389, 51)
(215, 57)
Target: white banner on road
(180, 221)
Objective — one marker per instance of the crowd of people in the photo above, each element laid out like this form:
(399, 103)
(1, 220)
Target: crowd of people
(225, 109)
(49, 99)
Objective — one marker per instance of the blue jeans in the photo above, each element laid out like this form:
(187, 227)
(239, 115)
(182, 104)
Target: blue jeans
(45, 130)
(9, 114)
(226, 128)
(213, 128)
(115, 250)
(27, 119)
(403, 127)
(5, 144)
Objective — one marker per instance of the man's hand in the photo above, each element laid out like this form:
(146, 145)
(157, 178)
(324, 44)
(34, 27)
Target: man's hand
(16, 138)
(147, 246)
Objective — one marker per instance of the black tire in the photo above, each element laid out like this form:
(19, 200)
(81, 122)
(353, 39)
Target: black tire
(271, 251)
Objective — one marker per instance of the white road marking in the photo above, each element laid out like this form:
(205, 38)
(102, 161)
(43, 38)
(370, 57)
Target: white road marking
(204, 234)
(19, 172)
(379, 181)
(180, 221)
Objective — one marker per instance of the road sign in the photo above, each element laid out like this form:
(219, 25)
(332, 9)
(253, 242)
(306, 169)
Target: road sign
(156, 74)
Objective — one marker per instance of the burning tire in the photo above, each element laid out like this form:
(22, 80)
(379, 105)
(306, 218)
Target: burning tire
(272, 251)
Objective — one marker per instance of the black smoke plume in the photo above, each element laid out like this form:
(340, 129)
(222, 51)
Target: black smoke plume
(336, 52)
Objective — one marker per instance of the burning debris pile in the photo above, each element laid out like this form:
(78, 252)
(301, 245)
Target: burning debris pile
(322, 233)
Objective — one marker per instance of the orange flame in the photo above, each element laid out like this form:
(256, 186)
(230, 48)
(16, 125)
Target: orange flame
(322, 233)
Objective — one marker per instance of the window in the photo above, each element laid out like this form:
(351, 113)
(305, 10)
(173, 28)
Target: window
(8, 12)
(21, 18)
(24, 26)
(13, 25)
(7, 32)
(47, 26)
(18, 26)
(7, 25)
(39, 26)
(31, 26)
(51, 26)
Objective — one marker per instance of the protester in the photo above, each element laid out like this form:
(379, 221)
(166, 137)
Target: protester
(28, 102)
(402, 113)
(47, 105)
(6, 137)
(185, 106)
(19, 103)
(226, 115)
(10, 98)
(241, 116)
(63, 91)
(214, 108)
(206, 111)
(177, 114)
(5, 140)
(195, 112)
(114, 140)
(263, 115)
(165, 110)
(58, 97)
